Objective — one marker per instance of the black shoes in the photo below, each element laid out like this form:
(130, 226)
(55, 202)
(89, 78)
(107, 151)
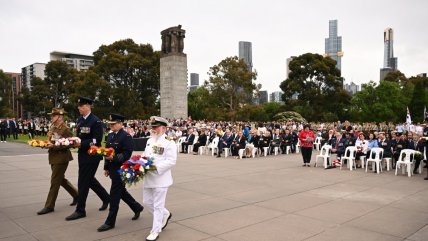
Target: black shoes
(105, 227)
(75, 216)
(104, 206)
(137, 214)
(45, 211)
(74, 202)
(426, 178)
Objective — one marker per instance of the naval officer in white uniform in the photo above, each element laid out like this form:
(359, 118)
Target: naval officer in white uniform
(156, 183)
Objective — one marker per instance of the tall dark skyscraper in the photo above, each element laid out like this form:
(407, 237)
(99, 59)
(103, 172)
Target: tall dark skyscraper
(194, 81)
(389, 61)
(246, 53)
(333, 44)
(388, 55)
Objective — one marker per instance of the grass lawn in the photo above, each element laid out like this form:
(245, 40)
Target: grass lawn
(23, 138)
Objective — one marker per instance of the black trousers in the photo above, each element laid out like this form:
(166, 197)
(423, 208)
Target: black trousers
(307, 154)
(15, 134)
(86, 180)
(117, 192)
(3, 135)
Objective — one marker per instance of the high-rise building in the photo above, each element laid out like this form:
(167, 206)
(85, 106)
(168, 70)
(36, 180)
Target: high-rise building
(333, 44)
(276, 96)
(31, 71)
(390, 62)
(288, 66)
(194, 81)
(263, 98)
(246, 53)
(76, 61)
(351, 88)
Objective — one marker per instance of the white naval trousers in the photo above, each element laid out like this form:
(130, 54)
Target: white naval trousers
(154, 200)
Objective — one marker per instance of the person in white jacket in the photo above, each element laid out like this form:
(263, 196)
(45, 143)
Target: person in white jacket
(156, 182)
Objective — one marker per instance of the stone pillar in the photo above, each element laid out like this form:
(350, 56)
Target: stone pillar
(173, 74)
(173, 86)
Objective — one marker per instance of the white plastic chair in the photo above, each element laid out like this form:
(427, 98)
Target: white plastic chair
(378, 153)
(180, 140)
(317, 143)
(214, 145)
(325, 154)
(407, 158)
(298, 147)
(190, 147)
(204, 149)
(350, 152)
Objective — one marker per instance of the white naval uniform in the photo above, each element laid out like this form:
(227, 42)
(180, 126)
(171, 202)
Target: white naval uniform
(156, 183)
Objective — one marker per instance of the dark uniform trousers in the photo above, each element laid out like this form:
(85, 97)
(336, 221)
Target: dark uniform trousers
(57, 180)
(123, 146)
(89, 129)
(87, 171)
(117, 192)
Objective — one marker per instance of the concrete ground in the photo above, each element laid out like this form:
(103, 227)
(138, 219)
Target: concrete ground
(215, 199)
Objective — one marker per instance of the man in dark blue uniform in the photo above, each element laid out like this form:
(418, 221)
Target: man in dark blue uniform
(123, 146)
(90, 131)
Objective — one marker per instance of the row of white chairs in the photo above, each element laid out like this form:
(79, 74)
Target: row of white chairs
(406, 159)
(213, 147)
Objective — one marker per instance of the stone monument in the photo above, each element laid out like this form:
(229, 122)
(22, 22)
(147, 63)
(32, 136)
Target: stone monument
(173, 74)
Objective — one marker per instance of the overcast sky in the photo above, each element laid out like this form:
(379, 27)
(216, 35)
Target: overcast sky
(30, 30)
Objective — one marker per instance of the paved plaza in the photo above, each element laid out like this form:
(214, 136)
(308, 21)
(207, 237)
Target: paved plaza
(224, 199)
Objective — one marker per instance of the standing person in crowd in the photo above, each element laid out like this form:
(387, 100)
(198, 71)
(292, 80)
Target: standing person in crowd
(294, 140)
(306, 138)
(122, 143)
(157, 182)
(3, 130)
(14, 128)
(90, 131)
(58, 159)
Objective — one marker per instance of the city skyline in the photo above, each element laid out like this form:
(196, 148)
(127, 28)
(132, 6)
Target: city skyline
(31, 31)
(333, 44)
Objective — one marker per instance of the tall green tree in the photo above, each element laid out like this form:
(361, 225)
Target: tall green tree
(5, 95)
(419, 98)
(89, 84)
(231, 85)
(314, 88)
(396, 77)
(59, 78)
(132, 70)
(199, 103)
(384, 102)
(37, 102)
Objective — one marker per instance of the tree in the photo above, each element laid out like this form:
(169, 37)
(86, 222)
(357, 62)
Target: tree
(317, 83)
(396, 77)
(385, 102)
(419, 95)
(59, 78)
(5, 95)
(199, 102)
(37, 101)
(89, 84)
(231, 85)
(132, 70)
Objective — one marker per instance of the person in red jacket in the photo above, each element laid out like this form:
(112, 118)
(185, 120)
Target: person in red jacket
(306, 138)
